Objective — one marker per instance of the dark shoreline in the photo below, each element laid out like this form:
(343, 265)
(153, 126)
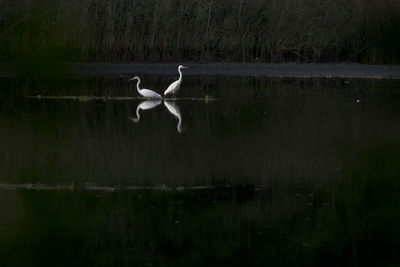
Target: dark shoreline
(326, 70)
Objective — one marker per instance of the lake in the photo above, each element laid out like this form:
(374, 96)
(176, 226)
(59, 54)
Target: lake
(245, 171)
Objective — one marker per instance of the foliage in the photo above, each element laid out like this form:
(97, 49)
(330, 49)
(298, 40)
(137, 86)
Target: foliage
(206, 30)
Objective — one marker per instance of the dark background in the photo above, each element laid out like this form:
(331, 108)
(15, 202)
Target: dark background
(200, 30)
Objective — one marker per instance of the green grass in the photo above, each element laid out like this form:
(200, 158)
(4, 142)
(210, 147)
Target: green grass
(365, 31)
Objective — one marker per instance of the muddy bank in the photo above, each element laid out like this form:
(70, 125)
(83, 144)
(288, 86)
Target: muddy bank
(247, 69)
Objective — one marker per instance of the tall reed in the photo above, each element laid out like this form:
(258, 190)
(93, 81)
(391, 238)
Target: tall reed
(206, 30)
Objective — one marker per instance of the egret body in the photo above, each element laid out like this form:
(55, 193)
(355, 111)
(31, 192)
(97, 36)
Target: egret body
(145, 92)
(174, 87)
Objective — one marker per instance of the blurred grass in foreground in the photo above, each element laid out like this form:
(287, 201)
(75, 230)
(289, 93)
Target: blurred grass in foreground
(206, 30)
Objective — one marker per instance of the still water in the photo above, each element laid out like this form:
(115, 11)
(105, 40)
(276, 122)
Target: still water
(235, 171)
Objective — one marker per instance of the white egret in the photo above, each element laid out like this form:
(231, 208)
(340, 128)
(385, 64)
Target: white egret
(147, 104)
(174, 109)
(174, 87)
(145, 92)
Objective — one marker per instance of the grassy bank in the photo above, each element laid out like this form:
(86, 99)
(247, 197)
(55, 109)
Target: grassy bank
(208, 30)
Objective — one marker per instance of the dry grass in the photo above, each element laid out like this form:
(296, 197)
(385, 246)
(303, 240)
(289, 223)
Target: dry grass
(206, 30)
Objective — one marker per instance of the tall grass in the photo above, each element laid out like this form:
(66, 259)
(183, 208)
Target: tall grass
(207, 30)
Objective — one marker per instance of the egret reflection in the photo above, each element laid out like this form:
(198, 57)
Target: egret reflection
(174, 109)
(147, 104)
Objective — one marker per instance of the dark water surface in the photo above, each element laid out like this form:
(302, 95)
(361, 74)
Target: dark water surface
(255, 171)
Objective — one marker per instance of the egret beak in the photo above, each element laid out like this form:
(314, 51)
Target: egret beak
(132, 79)
(184, 67)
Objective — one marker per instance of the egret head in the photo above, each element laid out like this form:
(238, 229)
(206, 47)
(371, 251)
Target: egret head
(181, 67)
(134, 119)
(134, 78)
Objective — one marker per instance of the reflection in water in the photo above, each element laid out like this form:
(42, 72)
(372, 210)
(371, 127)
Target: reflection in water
(147, 104)
(281, 173)
(95, 187)
(174, 109)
